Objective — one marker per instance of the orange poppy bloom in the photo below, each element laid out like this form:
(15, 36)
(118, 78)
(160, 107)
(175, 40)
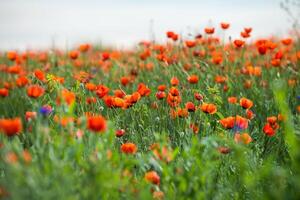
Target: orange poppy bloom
(232, 100)
(90, 86)
(193, 79)
(245, 35)
(84, 47)
(246, 103)
(268, 130)
(248, 30)
(74, 54)
(152, 177)
(174, 81)
(96, 123)
(182, 112)
(124, 80)
(35, 91)
(244, 138)
(30, 115)
(195, 128)
(241, 122)
(16, 69)
(120, 132)
(39, 74)
(69, 97)
(272, 119)
(143, 90)
(228, 122)
(161, 87)
(198, 96)
(102, 91)
(287, 41)
(238, 43)
(209, 31)
(190, 107)
(11, 55)
(225, 25)
(190, 43)
(209, 108)
(129, 148)
(160, 95)
(220, 79)
(249, 114)
(11, 127)
(22, 81)
(224, 150)
(119, 93)
(4, 92)
(174, 91)
(118, 102)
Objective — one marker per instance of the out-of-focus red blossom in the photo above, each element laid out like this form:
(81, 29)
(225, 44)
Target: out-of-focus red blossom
(209, 30)
(228, 122)
(74, 54)
(120, 132)
(158, 195)
(30, 115)
(4, 92)
(11, 55)
(232, 100)
(174, 81)
(143, 90)
(22, 81)
(249, 114)
(244, 138)
(124, 80)
(224, 25)
(182, 112)
(246, 103)
(160, 95)
(193, 79)
(195, 128)
(231, 122)
(238, 43)
(26, 156)
(39, 74)
(248, 30)
(11, 127)
(90, 86)
(68, 96)
(129, 148)
(11, 158)
(268, 130)
(35, 91)
(198, 96)
(162, 153)
(209, 108)
(152, 177)
(91, 100)
(190, 106)
(102, 91)
(224, 150)
(96, 124)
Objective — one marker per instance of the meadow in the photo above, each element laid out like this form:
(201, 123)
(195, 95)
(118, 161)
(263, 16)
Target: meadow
(196, 118)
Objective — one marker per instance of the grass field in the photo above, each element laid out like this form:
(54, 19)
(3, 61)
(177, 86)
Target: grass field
(188, 119)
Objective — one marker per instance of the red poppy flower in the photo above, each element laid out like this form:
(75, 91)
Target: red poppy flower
(96, 123)
(209, 108)
(11, 127)
(129, 148)
(35, 91)
(152, 177)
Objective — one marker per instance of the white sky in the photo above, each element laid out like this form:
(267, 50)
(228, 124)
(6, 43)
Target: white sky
(122, 23)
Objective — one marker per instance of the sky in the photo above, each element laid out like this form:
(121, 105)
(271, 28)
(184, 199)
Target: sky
(40, 24)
